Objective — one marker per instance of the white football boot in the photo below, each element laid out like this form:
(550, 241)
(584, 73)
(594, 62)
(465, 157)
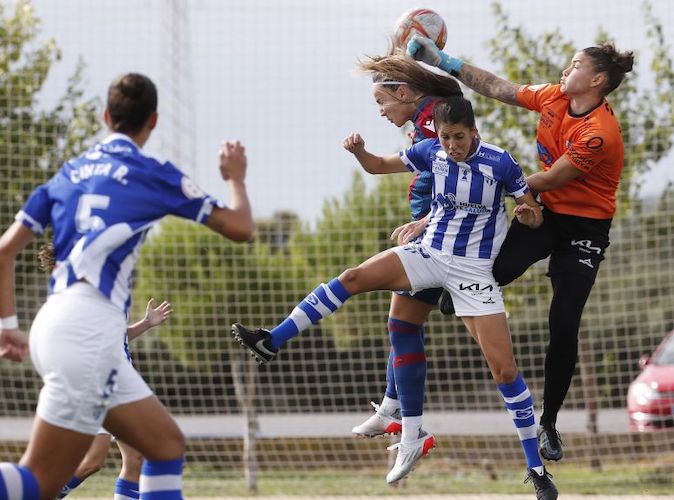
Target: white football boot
(379, 424)
(408, 455)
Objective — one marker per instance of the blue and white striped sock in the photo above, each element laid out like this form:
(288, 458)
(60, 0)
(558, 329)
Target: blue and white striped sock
(68, 488)
(520, 405)
(17, 483)
(161, 480)
(126, 490)
(322, 302)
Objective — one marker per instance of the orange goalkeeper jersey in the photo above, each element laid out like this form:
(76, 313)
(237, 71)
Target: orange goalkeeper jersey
(592, 142)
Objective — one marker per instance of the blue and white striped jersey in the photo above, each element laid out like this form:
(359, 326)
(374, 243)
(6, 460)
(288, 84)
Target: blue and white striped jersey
(101, 206)
(467, 212)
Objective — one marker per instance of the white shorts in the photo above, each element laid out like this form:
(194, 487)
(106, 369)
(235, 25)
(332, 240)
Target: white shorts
(469, 281)
(77, 347)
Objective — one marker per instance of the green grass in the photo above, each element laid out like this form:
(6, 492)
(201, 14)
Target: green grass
(624, 480)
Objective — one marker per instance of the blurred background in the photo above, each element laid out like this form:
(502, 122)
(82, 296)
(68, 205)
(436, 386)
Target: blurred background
(279, 76)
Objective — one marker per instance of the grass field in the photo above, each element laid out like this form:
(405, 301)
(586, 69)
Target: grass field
(573, 482)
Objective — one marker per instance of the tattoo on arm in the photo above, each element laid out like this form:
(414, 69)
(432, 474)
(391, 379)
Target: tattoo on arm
(485, 83)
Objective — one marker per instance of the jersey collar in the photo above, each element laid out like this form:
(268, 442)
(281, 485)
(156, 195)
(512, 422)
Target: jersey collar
(478, 145)
(117, 136)
(422, 106)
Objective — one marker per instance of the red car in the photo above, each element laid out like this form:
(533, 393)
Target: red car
(650, 397)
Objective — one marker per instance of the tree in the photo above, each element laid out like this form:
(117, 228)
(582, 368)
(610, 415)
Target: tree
(34, 142)
(646, 113)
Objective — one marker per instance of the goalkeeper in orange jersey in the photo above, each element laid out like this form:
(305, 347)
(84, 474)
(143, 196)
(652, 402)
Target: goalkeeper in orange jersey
(580, 148)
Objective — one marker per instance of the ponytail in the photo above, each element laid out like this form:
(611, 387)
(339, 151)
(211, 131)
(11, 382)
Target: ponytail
(607, 59)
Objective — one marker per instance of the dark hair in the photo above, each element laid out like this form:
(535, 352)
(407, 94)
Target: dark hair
(132, 98)
(606, 59)
(454, 110)
(398, 67)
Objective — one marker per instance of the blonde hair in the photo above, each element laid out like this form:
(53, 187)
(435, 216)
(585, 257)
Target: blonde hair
(399, 69)
(46, 257)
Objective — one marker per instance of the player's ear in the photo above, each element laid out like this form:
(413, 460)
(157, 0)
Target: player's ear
(599, 80)
(152, 120)
(106, 118)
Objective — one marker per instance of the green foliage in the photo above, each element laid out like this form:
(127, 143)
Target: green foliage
(646, 114)
(214, 282)
(349, 232)
(34, 142)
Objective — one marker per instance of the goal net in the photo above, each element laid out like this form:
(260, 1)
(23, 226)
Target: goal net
(279, 77)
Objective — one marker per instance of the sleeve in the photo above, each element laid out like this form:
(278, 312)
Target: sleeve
(36, 212)
(416, 157)
(183, 197)
(532, 97)
(589, 148)
(513, 177)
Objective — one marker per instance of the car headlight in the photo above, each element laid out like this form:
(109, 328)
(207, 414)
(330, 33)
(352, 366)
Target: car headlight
(645, 393)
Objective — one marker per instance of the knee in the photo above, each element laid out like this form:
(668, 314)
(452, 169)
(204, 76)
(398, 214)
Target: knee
(132, 462)
(505, 374)
(91, 464)
(350, 279)
(177, 444)
(174, 445)
(503, 272)
(563, 339)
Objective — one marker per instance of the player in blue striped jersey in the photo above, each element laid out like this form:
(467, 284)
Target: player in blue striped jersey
(406, 93)
(101, 206)
(466, 227)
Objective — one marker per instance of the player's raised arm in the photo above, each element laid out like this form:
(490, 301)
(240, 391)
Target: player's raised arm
(371, 163)
(155, 315)
(236, 221)
(481, 81)
(13, 343)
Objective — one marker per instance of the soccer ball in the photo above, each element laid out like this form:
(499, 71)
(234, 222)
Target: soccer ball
(424, 22)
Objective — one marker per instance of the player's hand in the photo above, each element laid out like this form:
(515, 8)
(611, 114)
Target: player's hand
(407, 232)
(354, 144)
(155, 316)
(528, 215)
(233, 161)
(423, 49)
(13, 344)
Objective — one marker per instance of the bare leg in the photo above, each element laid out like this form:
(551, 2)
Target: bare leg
(132, 461)
(148, 427)
(53, 455)
(384, 271)
(493, 336)
(95, 458)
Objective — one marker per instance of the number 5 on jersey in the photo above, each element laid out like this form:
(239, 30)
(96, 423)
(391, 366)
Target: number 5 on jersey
(84, 219)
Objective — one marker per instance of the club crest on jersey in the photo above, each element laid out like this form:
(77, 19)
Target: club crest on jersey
(440, 167)
(190, 189)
